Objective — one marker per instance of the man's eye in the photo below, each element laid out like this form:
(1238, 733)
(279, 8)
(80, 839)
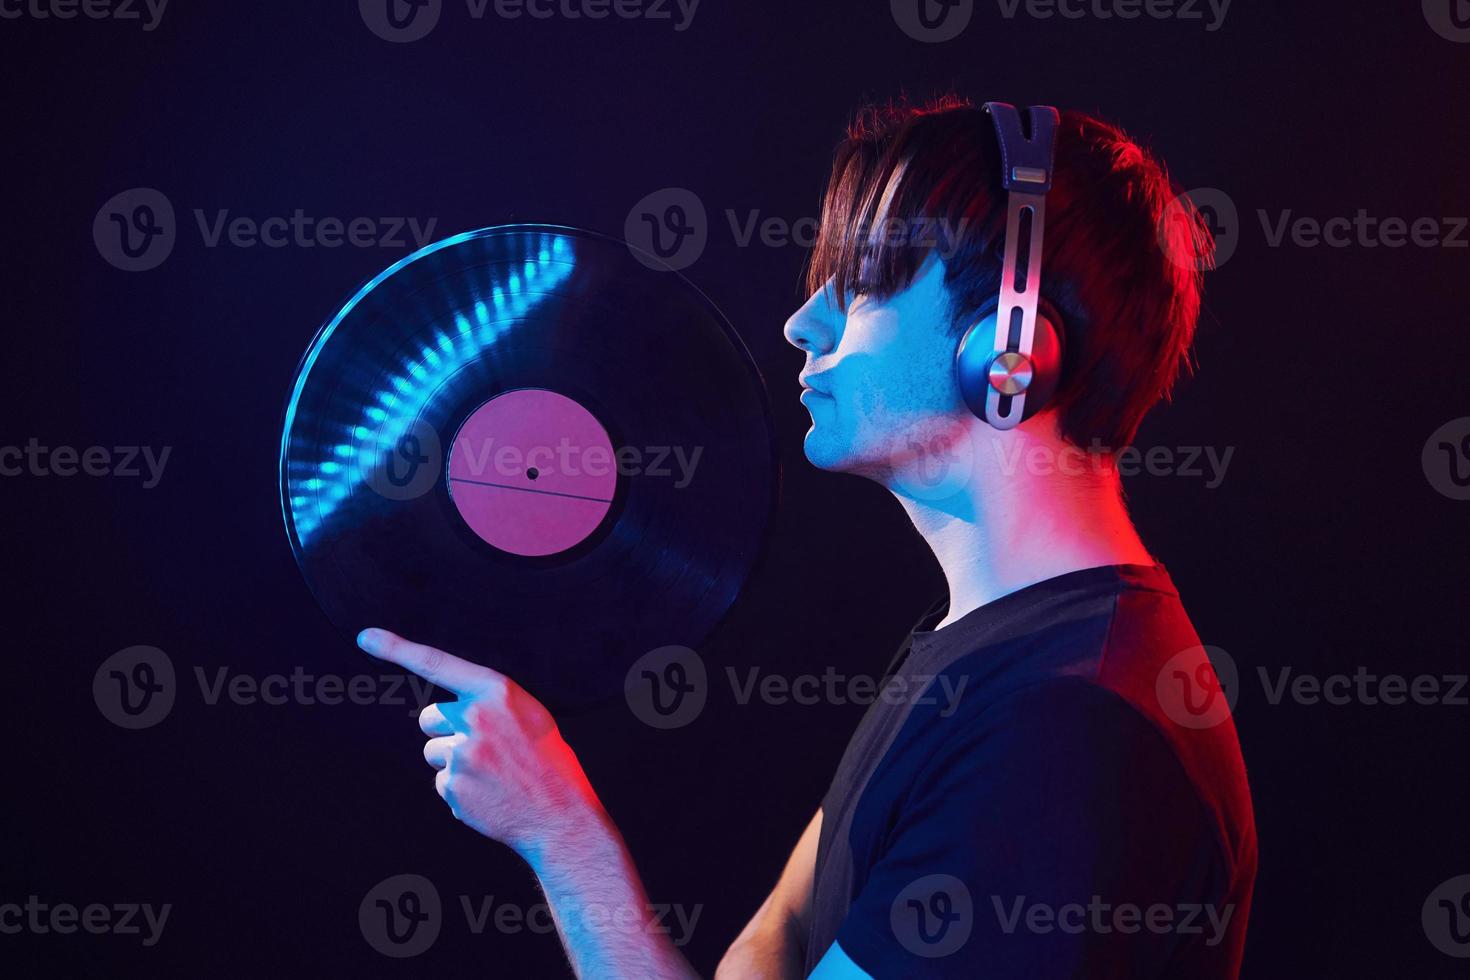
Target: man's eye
(864, 280)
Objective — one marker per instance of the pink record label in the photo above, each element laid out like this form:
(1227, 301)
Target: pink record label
(532, 472)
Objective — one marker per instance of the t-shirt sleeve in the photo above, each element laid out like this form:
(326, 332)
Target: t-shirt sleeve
(1053, 834)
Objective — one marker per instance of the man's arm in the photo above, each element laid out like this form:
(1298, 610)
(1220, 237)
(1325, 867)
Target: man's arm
(772, 946)
(606, 923)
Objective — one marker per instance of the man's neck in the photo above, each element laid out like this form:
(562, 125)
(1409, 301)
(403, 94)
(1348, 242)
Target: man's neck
(1006, 530)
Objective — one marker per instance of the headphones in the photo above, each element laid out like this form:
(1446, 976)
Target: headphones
(1009, 363)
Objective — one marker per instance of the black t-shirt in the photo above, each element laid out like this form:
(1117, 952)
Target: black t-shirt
(1050, 786)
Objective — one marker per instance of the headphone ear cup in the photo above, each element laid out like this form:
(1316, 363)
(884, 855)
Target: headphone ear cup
(977, 350)
(972, 364)
(1047, 350)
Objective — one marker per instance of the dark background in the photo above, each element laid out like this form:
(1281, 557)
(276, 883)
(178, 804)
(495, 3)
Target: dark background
(1327, 369)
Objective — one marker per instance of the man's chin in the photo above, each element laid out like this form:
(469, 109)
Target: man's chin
(822, 453)
(836, 456)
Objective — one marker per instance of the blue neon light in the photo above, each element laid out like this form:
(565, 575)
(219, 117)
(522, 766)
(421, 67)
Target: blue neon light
(316, 490)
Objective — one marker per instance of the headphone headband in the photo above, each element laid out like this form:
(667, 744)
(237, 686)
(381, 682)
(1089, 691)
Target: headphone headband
(1027, 160)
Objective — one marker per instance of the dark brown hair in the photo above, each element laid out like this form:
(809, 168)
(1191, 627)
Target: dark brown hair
(911, 180)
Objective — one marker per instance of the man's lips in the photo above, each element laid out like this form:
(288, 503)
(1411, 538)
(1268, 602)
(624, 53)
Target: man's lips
(804, 379)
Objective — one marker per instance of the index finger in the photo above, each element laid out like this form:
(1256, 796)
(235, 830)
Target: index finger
(433, 665)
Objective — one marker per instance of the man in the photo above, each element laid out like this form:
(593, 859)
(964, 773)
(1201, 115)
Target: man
(1078, 806)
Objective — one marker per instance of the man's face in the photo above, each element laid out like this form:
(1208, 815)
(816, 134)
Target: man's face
(879, 382)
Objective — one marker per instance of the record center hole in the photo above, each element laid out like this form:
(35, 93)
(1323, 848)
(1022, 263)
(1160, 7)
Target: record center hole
(533, 472)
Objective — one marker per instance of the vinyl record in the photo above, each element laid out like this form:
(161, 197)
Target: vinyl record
(531, 448)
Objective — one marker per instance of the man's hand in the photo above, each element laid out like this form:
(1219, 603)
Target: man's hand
(505, 770)
(503, 766)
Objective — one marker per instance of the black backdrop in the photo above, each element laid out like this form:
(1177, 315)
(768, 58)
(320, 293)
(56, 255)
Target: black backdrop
(1326, 548)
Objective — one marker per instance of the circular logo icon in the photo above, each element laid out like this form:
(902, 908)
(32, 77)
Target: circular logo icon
(668, 229)
(934, 459)
(1446, 459)
(932, 21)
(667, 688)
(407, 461)
(134, 688)
(1177, 228)
(1446, 917)
(400, 916)
(933, 916)
(400, 21)
(135, 230)
(1450, 19)
(1198, 687)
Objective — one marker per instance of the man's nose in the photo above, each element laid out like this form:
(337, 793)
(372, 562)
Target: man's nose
(813, 328)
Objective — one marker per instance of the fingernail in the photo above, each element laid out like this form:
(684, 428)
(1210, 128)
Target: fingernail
(368, 640)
